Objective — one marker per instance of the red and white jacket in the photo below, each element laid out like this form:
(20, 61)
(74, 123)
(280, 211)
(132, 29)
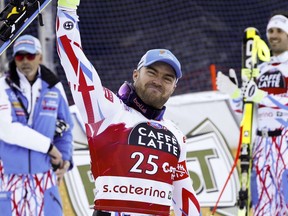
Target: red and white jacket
(139, 165)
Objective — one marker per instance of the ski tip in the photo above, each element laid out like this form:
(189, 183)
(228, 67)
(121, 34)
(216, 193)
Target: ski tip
(250, 28)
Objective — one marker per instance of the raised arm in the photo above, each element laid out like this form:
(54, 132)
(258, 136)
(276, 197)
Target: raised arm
(93, 100)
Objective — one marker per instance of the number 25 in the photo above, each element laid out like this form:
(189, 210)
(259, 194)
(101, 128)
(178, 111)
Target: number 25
(140, 160)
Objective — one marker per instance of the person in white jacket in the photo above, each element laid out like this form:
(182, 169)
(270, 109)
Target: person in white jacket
(138, 158)
(269, 178)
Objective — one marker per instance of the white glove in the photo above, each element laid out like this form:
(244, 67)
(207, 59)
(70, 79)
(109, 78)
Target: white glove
(250, 91)
(226, 86)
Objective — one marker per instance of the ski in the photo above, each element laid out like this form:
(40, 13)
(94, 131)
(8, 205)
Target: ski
(16, 17)
(254, 50)
(249, 62)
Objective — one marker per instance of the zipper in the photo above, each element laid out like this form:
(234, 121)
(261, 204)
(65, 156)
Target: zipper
(29, 159)
(31, 107)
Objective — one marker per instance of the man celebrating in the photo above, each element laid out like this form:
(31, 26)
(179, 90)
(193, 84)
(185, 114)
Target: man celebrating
(269, 178)
(138, 158)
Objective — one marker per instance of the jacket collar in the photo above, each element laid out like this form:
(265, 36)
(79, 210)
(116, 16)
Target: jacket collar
(283, 57)
(46, 75)
(129, 96)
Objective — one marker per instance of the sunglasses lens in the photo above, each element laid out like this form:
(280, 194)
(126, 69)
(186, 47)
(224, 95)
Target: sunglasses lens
(31, 56)
(20, 57)
(124, 91)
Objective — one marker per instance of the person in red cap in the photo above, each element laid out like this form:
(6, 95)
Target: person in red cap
(138, 157)
(35, 140)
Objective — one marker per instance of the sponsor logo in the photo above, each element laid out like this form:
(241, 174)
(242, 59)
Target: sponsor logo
(248, 60)
(16, 105)
(20, 113)
(51, 95)
(154, 136)
(49, 105)
(176, 173)
(267, 114)
(68, 25)
(139, 105)
(133, 190)
(278, 19)
(156, 125)
(271, 80)
(3, 106)
(108, 94)
(251, 91)
(137, 190)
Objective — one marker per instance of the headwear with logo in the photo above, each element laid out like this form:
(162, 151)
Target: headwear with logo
(278, 21)
(161, 55)
(27, 43)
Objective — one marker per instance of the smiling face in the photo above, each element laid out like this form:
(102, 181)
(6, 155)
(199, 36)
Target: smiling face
(155, 84)
(278, 40)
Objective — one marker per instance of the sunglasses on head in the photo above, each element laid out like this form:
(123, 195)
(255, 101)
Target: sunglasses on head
(21, 56)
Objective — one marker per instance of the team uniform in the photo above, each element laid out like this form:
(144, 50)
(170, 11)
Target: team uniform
(269, 177)
(270, 151)
(27, 127)
(138, 163)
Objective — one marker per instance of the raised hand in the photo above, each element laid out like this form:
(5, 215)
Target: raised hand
(227, 86)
